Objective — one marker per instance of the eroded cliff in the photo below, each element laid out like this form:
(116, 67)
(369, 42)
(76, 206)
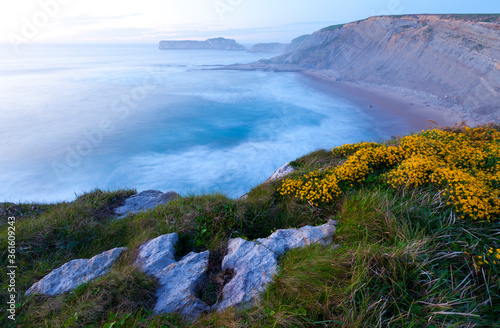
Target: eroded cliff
(453, 57)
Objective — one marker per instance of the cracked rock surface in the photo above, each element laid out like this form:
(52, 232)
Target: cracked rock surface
(281, 172)
(144, 201)
(75, 273)
(256, 262)
(178, 280)
(178, 283)
(157, 253)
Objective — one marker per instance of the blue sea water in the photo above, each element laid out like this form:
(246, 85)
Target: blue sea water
(78, 117)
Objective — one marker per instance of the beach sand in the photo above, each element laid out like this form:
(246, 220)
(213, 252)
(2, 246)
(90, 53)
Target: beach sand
(416, 108)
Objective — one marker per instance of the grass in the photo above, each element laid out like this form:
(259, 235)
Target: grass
(400, 257)
(487, 18)
(332, 28)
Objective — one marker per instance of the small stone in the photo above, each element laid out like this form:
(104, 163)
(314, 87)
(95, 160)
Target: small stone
(75, 272)
(283, 240)
(178, 280)
(281, 172)
(144, 201)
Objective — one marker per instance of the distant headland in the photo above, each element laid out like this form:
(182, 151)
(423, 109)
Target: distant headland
(210, 44)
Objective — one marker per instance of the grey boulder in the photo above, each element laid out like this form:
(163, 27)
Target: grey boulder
(157, 253)
(144, 201)
(178, 280)
(284, 240)
(254, 266)
(281, 172)
(256, 262)
(178, 283)
(75, 273)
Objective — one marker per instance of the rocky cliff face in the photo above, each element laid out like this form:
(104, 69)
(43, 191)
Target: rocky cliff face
(213, 44)
(454, 57)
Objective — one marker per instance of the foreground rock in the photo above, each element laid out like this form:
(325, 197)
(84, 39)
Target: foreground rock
(281, 172)
(178, 280)
(256, 262)
(178, 283)
(144, 201)
(157, 254)
(210, 44)
(75, 273)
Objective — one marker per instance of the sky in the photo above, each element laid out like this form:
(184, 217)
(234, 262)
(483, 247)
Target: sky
(247, 21)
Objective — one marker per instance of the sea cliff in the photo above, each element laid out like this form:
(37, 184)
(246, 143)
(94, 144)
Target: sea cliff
(452, 58)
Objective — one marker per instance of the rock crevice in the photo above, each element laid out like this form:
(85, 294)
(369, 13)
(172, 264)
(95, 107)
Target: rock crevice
(253, 263)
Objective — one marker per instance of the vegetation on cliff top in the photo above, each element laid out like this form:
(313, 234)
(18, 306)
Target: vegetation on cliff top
(417, 242)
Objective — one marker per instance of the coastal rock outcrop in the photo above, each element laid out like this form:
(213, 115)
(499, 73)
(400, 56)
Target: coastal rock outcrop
(256, 262)
(144, 201)
(454, 58)
(210, 44)
(74, 273)
(281, 172)
(278, 174)
(157, 254)
(178, 280)
(178, 283)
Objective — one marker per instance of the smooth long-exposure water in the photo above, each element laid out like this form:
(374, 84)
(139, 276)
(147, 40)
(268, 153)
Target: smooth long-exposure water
(78, 117)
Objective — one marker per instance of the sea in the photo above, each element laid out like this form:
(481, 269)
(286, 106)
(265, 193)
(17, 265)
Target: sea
(77, 117)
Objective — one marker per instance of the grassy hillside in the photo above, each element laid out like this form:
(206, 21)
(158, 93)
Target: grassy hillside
(418, 242)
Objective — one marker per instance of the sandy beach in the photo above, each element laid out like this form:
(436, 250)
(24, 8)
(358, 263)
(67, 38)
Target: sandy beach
(416, 107)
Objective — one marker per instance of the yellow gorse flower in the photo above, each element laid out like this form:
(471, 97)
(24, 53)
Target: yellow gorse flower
(464, 165)
(493, 254)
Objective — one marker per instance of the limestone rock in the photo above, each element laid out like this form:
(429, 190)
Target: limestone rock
(284, 240)
(144, 201)
(254, 266)
(178, 282)
(75, 273)
(256, 262)
(281, 172)
(157, 253)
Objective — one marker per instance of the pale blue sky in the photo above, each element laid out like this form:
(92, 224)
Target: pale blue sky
(247, 21)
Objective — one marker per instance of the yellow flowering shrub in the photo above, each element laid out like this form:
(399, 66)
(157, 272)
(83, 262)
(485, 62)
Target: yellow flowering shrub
(414, 171)
(325, 186)
(348, 149)
(464, 165)
(492, 257)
